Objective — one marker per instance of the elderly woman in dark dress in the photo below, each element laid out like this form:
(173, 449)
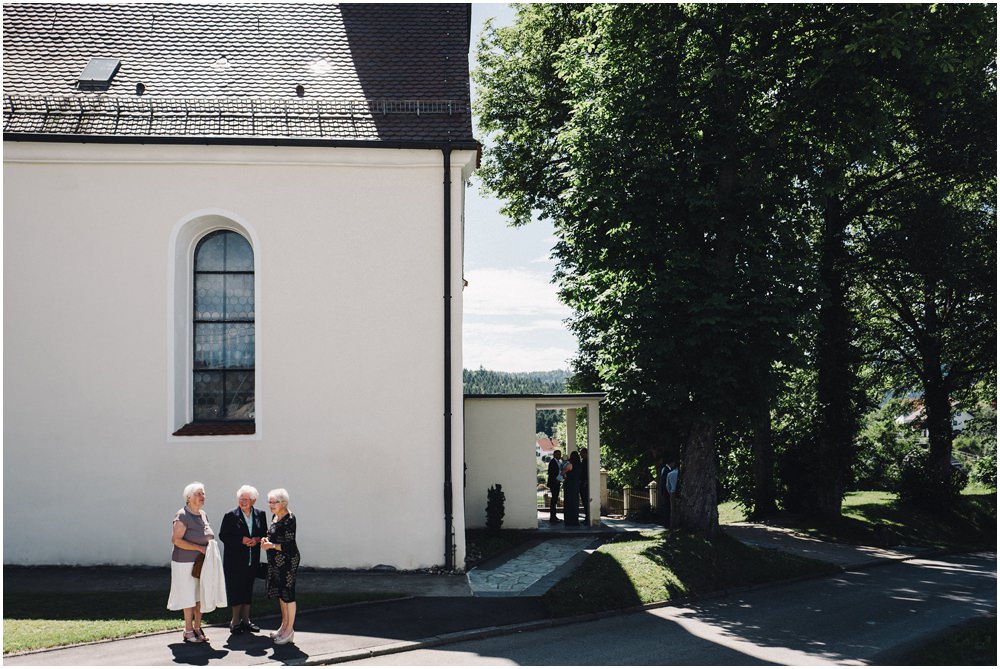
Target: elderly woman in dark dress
(241, 533)
(282, 562)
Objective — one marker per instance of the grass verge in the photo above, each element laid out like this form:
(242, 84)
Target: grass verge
(879, 518)
(971, 644)
(33, 621)
(647, 567)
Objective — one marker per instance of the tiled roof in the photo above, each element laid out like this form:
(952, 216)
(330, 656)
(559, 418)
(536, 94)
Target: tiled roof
(369, 72)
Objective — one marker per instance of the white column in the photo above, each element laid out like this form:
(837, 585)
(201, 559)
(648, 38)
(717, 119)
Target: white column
(594, 460)
(570, 432)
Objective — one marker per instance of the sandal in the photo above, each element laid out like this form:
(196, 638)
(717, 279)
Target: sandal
(201, 635)
(192, 637)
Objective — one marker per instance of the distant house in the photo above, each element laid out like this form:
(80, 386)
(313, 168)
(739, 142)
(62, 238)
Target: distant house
(916, 417)
(545, 447)
(233, 243)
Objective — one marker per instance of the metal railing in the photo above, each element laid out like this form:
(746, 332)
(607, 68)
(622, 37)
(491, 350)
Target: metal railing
(630, 500)
(150, 115)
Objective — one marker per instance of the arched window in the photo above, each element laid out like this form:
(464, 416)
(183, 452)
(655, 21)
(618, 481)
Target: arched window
(223, 320)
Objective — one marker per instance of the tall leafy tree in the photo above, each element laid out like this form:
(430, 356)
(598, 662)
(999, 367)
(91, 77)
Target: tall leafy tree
(922, 224)
(708, 168)
(641, 132)
(885, 102)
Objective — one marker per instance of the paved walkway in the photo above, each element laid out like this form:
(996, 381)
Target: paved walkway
(516, 576)
(790, 541)
(440, 608)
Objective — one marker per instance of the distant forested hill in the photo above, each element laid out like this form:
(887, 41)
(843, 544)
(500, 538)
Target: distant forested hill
(485, 382)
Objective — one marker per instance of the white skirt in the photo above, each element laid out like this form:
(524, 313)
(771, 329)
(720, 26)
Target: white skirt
(183, 586)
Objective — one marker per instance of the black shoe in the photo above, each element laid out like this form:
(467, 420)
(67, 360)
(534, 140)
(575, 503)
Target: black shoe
(251, 626)
(236, 629)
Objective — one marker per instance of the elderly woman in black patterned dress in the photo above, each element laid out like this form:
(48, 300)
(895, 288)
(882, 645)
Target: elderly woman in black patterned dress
(282, 562)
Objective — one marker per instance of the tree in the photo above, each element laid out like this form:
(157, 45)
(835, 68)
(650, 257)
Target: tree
(639, 130)
(708, 169)
(913, 86)
(927, 242)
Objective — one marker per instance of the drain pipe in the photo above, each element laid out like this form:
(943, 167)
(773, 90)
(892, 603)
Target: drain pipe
(449, 530)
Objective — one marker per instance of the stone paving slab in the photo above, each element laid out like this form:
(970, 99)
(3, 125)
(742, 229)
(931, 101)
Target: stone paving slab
(515, 576)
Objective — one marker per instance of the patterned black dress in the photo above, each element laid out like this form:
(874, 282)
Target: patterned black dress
(282, 565)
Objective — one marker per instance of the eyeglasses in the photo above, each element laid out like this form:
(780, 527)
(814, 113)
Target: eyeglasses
(273, 501)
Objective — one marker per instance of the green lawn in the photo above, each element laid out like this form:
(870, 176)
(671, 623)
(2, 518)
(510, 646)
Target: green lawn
(659, 566)
(972, 644)
(32, 621)
(731, 512)
(648, 567)
(875, 518)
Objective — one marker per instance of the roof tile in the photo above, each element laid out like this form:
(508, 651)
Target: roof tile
(233, 69)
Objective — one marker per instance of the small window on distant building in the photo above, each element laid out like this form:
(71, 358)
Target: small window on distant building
(223, 371)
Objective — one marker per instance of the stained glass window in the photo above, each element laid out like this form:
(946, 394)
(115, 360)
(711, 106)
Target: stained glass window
(223, 328)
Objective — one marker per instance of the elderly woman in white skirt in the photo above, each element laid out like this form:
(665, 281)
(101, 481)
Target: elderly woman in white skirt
(191, 536)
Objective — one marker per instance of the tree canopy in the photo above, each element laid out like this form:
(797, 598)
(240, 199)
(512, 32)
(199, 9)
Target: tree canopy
(718, 177)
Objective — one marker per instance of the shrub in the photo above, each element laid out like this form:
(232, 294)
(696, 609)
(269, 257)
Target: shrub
(495, 500)
(882, 444)
(919, 486)
(984, 471)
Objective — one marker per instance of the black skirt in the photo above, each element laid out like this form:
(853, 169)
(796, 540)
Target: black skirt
(239, 583)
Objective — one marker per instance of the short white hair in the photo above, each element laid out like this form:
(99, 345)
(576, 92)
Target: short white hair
(248, 489)
(279, 494)
(192, 488)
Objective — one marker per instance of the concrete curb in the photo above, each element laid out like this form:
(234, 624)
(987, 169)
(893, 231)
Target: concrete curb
(221, 626)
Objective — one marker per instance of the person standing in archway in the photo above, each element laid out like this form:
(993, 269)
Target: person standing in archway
(584, 486)
(555, 484)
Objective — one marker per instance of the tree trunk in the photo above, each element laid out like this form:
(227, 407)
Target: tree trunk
(697, 504)
(764, 491)
(937, 404)
(835, 372)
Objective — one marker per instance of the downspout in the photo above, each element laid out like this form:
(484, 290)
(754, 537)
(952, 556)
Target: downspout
(449, 531)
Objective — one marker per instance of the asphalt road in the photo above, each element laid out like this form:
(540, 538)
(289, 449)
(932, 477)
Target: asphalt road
(859, 617)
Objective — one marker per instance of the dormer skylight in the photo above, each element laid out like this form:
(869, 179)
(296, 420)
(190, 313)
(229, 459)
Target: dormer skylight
(99, 73)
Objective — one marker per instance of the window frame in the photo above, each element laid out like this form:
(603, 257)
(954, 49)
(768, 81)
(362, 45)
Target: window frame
(184, 240)
(226, 371)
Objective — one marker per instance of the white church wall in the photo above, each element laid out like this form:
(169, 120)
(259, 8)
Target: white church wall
(349, 350)
(500, 448)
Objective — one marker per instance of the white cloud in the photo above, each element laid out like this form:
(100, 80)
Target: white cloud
(512, 292)
(477, 328)
(513, 355)
(513, 322)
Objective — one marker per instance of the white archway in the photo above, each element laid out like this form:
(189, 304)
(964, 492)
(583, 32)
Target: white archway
(499, 439)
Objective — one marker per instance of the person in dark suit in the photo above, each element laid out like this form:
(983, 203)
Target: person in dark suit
(584, 486)
(241, 533)
(554, 483)
(571, 491)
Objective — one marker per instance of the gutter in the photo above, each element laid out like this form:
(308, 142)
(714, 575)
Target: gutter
(468, 145)
(449, 530)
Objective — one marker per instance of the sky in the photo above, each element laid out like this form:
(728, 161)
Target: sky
(513, 321)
